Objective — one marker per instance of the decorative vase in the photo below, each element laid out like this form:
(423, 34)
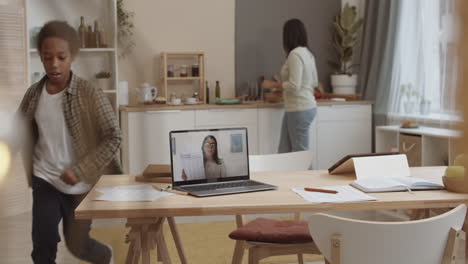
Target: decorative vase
(424, 108)
(344, 84)
(104, 83)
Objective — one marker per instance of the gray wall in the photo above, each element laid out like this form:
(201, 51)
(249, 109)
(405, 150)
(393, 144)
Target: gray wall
(259, 25)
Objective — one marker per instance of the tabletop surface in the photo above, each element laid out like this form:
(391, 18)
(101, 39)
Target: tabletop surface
(282, 200)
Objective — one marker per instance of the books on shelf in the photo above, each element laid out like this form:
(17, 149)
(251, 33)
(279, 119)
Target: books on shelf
(394, 184)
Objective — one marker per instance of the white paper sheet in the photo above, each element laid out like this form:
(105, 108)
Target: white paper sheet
(387, 166)
(192, 163)
(130, 193)
(345, 194)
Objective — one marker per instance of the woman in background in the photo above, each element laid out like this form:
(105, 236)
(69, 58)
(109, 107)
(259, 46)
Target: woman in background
(214, 166)
(75, 139)
(299, 77)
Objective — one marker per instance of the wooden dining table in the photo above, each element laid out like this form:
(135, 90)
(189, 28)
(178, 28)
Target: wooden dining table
(145, 219)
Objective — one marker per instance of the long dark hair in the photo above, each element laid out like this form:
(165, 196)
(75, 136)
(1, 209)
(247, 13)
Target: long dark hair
(61, 30)
(215, 155)
(294, 35)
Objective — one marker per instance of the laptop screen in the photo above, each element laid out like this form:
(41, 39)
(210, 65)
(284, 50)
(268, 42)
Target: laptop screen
(209, 155)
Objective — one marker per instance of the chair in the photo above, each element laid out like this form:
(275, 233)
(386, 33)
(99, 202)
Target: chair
(294, 234)
(432, 240)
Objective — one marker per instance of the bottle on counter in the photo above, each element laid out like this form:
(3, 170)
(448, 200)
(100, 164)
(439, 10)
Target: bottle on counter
(90, 37)
(217, 91)
(207, 93)
(96, 37)
(82, 33)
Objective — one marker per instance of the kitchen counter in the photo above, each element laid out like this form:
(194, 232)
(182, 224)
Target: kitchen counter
(257, 104)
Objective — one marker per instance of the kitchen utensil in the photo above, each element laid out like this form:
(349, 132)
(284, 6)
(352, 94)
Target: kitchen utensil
(147, 93)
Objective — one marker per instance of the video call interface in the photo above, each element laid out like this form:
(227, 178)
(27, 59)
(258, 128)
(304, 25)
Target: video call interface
(205, 155)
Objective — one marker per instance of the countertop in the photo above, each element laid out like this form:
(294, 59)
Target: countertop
(256, 104)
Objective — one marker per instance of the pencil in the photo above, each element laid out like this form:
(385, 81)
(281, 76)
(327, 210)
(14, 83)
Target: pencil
(177, 192)
(319, 190)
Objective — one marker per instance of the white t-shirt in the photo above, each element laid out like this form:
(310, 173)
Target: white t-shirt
(299, 76)
(53, 153)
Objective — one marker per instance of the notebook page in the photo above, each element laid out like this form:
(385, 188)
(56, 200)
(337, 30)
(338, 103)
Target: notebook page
(383, 183)
(415, 182)
(345, 194)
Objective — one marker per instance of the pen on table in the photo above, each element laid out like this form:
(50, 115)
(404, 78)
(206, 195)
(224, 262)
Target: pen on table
(319, 190)
(177, 192)
(169, 189)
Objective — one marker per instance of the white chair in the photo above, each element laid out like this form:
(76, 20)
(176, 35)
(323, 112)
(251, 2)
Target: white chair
(293, 161)
(432, 240)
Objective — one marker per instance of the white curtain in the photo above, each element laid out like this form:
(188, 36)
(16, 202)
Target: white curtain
(423, 78)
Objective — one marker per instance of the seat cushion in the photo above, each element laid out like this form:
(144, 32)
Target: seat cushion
(273, 231)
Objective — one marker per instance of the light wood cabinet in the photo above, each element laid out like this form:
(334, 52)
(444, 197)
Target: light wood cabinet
(175, 83)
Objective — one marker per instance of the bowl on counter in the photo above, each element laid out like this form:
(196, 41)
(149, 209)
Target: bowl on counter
(272, 98)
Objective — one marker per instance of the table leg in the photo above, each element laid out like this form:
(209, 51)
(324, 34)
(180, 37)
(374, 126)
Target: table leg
(177, 241)
(142, 236)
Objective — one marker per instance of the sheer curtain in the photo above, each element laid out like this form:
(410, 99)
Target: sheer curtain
(423, 76)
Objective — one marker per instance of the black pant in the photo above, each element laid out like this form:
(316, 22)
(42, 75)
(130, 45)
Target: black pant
(49, 207)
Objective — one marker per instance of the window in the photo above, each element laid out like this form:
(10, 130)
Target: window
(425, 77)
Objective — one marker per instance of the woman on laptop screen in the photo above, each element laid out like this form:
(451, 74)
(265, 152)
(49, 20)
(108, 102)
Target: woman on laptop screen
(214, 165)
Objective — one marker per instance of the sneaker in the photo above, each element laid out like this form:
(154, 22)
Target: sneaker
(112, 254)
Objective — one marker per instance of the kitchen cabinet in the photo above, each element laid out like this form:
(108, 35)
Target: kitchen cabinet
(146, 136)
(337, 130)
(269, 129)
(342, 130)
(221, 118)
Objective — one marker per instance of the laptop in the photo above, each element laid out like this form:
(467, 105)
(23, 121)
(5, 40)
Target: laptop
(207, 162)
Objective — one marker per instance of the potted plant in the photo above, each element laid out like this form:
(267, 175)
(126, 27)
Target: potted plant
(347, 25)
(103, 80)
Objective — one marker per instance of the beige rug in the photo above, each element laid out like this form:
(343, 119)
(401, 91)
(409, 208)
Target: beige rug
(205, 243)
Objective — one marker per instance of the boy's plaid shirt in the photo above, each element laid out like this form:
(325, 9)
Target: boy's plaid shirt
(92, 125)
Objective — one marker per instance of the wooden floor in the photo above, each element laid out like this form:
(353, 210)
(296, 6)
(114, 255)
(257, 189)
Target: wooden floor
(16, 246)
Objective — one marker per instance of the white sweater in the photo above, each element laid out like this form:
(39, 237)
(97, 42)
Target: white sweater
(299, 76)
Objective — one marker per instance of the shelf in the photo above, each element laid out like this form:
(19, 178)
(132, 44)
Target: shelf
(85, 50)
(185, 53)
(183, 78)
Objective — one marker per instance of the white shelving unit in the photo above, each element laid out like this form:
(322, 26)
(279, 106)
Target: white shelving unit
(439, 146)
(89, 60)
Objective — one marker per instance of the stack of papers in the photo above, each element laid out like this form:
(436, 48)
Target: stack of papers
(345, 194)
(130, 193)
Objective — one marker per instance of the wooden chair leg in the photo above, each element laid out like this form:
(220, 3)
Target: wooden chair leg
(177, 240)
(335, 244)
(238, 252)
(300, 259)
(253, 256)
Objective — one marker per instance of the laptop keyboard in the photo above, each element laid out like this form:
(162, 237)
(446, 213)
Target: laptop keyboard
(221, 185)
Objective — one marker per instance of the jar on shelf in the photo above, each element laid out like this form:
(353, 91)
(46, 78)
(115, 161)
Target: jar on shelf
(170, 70)
(195, 70)
(183, 71)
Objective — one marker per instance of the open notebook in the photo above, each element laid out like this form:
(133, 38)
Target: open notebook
(394, 184)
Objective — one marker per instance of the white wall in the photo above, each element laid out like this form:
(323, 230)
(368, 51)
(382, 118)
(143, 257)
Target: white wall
(180, 25)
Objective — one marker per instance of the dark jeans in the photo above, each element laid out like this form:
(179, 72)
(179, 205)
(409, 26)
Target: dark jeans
(49, 207)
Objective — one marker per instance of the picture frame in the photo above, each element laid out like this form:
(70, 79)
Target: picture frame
(173, 146)
(236, 143)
